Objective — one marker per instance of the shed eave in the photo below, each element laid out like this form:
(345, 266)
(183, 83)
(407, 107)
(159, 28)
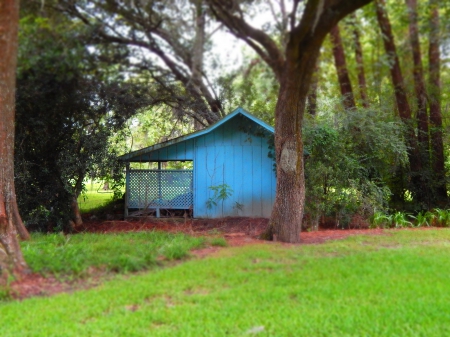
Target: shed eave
(137, 155)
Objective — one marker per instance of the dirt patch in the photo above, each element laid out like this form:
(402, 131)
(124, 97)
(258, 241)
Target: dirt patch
(249, 226)
(322, 236)
(237, 232)
(33, 284)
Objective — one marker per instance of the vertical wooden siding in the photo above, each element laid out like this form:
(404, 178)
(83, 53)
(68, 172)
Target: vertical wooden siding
(228, 155)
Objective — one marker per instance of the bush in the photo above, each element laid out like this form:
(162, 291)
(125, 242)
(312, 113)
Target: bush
(351, 158)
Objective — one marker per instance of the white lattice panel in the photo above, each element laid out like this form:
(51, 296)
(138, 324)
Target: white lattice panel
(160, 189)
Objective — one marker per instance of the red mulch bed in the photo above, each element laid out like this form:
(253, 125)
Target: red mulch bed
(237, 231)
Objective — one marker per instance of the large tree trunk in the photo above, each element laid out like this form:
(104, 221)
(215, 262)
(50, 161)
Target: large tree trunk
(360, 64)
(11, 259)
(287, 214)
(401, 98)
(419, 82)
(341, 68)
(437, 145)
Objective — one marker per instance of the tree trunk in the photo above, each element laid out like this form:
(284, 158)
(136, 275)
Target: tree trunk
(11, 258)
(76, 214)
(312, 96)
(21, 229)
(419, 82)
(437, 145)
(341, 68)
(360, 64)
(404, 109)
(287, 214)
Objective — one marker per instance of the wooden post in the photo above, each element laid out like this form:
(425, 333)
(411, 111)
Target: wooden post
(158, 214)
(127, 188)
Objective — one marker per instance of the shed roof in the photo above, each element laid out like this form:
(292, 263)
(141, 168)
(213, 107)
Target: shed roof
(239, 111)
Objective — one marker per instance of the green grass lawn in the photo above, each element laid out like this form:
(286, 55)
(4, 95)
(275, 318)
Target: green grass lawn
(73, 255)
(396, 285)
(93, 200)
(94, 197)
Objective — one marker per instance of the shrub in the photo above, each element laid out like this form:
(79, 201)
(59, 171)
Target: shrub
(380, 220)
(399, 220)
(351, 159)
(442, 217)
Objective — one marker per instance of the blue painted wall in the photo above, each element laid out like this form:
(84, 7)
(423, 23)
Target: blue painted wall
(236, 154)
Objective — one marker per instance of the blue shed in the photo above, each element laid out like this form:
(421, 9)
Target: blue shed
(232, 156)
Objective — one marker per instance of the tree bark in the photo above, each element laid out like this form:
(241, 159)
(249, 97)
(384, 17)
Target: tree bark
(287, 214)
(76, 220)
(21, 229)
(360, 64)
(404, 109)
(437, 144)
(345, 85)
(419, 82)
(312, 96)
(12, 262)
(76, 214)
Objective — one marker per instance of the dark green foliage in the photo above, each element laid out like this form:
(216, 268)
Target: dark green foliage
(351, 157)
(67, 110)
(437, 217)
(255, 90)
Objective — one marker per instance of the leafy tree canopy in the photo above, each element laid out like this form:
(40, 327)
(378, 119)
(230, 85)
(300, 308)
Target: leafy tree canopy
(68, 107)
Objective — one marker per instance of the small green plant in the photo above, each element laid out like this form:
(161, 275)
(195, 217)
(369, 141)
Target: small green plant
(214, 231)
(210, 203)
(219, 242)
(399, 219)
(174, 252)
(431, 218)
(442, 217)
(238, 206)
(221, 193)
(423, 219)
(381, 220)
(5, 294)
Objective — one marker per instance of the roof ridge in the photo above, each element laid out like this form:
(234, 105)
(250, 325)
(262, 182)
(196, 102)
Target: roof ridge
(198, 133)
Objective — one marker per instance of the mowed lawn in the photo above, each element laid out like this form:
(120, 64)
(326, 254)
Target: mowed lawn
(94, 197)
(392, 285)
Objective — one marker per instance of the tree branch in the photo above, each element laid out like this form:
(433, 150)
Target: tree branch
(229, 13)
